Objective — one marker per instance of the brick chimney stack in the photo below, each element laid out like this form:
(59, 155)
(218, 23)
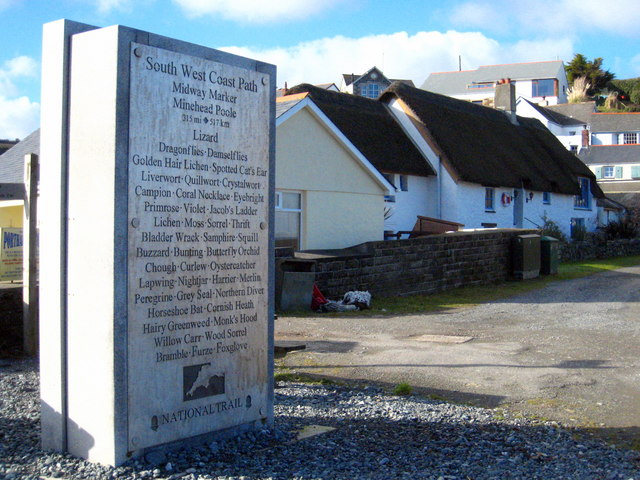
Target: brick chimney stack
(505, 99)
(585, 137)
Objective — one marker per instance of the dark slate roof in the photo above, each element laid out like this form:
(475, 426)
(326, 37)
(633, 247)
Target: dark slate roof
(484, 147)
(615, 122)
(283, 105)
(610, 154)
(370, 126)
(12, 161)
(580, 111)
(349, 78)
(553, 116)
(628, 199)
(455, 83)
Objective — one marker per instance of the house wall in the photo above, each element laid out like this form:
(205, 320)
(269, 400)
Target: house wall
(604, 138)
(419, 199)
(465, 203)
(342, 203)
(524, 88)
(11, 214)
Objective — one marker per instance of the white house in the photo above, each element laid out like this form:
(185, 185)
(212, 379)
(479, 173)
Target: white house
(377, 136)
(536, 81)
(614, 156)
(569, 130)
(328, 194)
(496, 170)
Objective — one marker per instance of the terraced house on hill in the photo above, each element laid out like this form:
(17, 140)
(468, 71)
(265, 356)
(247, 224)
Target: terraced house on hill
(613, 154)
(536, 81)
(474, 165)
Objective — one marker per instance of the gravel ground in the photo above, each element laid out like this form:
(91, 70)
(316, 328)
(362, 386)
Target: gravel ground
(376, 436)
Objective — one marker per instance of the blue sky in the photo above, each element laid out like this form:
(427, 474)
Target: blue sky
(317, 40)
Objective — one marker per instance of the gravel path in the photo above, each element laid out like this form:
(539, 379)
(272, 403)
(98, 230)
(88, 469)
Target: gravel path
(376, 436)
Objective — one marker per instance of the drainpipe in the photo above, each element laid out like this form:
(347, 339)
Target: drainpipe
(439, 211)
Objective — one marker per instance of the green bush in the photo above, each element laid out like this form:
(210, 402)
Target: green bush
(578, 233)
(551, 229)
(621, 229)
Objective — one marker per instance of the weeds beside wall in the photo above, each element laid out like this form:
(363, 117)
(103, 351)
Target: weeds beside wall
(421, 265)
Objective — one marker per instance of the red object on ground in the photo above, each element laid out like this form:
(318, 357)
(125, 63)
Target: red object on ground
(317, 298)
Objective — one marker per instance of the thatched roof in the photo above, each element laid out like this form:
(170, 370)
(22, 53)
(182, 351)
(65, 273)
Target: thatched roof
(484, 147)
(370, 126)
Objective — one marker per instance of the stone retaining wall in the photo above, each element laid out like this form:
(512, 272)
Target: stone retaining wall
(420, 265)
(598, 249)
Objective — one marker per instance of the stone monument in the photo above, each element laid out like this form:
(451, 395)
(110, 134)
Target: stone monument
(157, 182)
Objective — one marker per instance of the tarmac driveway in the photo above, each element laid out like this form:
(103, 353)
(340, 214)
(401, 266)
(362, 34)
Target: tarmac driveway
(569, 352)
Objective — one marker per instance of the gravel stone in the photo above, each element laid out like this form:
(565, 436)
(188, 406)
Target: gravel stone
(376, 436)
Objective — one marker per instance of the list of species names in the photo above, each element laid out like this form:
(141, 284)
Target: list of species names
(198, 246)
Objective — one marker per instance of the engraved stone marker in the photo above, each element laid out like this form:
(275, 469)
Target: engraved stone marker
(198, 259)
(169, 312)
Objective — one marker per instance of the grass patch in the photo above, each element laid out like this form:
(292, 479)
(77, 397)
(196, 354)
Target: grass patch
(402, 389)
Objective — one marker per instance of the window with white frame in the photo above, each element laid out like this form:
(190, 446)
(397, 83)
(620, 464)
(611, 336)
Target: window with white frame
(489, 197)
(630, 138)
(608, 172)
(404, 183)
(546, 198)
(288, 219)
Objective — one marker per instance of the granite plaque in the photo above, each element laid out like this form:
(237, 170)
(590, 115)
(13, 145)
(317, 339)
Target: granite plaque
(198, 240)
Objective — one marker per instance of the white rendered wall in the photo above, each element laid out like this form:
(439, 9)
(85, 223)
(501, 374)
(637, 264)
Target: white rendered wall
(343, 205)
(419, 199)
(340, 219)
(424, 196)
(464, 203)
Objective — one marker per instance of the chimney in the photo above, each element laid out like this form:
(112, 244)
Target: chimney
(505, 99)
(585, 138)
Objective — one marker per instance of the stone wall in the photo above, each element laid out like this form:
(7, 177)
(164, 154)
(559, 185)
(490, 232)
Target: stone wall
(598, 249)
(10, 321)
(420, 265)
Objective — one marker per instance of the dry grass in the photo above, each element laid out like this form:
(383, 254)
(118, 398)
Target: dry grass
(578, 91)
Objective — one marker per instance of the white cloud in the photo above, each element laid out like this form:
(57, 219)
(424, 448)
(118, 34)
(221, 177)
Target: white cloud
(13, 70)
(399, 55)
(256, 11)
(567, 17)
(19, 116)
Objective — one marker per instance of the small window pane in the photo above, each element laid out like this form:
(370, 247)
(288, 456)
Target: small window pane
(608, 172)
(630, 138)
(287, 229)
(404, 183)
(291, 201)
(488, 199)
